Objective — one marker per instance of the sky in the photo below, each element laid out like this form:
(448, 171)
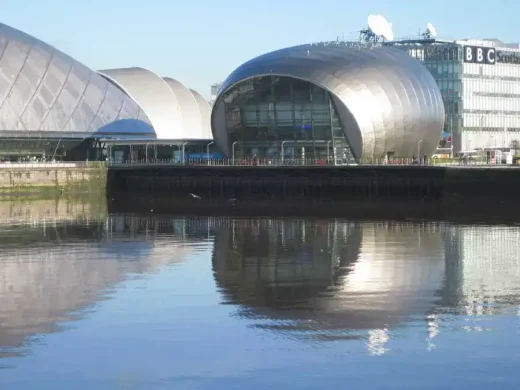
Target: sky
(201, 42)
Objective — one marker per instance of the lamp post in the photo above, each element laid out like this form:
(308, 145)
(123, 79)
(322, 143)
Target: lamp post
(233, 151)
(207, 148)
(451, 136)
(282, 151)
(419, 149)
(146, 152)
(183, 153)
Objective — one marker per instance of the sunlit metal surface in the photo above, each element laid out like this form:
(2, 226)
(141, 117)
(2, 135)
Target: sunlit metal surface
(386, 100)
(45, 90)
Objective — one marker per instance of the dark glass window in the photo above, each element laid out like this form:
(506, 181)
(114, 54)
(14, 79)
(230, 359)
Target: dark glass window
(270, 113)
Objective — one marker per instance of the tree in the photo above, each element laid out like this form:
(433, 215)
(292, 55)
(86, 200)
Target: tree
(514, 144)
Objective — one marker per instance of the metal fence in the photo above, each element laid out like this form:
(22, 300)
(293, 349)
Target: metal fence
(252, 163)
(268, 162)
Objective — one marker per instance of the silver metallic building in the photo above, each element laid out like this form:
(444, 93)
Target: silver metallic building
(48, 96)
(320, 101)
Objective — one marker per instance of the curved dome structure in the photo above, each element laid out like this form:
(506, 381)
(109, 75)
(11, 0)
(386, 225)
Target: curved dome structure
(43, 90)
(174, 111)
(205, 114)
(378, 101)
(194, 127)
(188, 107)
(154, 96)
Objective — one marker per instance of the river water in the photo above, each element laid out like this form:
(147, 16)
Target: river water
(90, 299)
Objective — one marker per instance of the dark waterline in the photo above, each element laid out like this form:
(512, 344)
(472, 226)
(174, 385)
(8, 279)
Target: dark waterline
(115, 300)
(479, 210)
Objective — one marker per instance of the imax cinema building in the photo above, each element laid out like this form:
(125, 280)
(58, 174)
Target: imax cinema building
(352, 101)
(342, 102)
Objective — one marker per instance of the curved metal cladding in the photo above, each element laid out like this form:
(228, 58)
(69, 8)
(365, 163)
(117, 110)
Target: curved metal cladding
(153, 95)
(195, 126)
(45, 90)
(386, 100)
(205, 114)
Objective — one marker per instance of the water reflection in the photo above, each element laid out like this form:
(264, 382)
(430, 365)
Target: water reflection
(320, 281)
(328, 279)
(52, 270)
(333, 280)
(484, 274)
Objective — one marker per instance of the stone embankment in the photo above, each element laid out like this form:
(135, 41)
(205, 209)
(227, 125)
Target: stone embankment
(52, 178)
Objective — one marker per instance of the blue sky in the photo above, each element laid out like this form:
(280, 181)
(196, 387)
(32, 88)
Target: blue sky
(202, 41)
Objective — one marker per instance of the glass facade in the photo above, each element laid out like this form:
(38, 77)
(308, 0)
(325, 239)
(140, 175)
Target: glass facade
(284, 118)
(482, 101)
(178, 152)
(50, 149)
(444, 61)
(491, 109)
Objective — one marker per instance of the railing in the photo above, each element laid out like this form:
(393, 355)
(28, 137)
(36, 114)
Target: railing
(263, 162)
(227, 162)
(47, 164)
(269, 162)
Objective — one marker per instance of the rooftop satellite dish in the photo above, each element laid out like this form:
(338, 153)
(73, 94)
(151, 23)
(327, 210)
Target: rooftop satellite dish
(389, 33)
(380, 27)
(376, 24)
(431, 30)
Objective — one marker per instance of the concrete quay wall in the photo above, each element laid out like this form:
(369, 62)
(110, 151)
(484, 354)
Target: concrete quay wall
(337, 182)
(59, 179)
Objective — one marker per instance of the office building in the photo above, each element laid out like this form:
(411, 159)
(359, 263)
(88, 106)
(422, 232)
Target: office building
(480, 85)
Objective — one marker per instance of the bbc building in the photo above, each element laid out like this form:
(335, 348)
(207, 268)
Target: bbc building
(480, 86)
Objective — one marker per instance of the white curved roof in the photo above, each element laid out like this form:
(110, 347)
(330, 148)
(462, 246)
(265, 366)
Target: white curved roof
(190, 110)
(154, 96)
(205, 114)
(43, 90)
(175, 111)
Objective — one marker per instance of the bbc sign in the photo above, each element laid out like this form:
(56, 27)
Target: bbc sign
(480, 55)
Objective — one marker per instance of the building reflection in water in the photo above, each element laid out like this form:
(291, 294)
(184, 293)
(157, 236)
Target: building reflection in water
(484, 275)
(52, 270)
(333, 280)
(320, 280)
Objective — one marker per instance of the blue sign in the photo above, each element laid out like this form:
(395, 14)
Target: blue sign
(205, 156)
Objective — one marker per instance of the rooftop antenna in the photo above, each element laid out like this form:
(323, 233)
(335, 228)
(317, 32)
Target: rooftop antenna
(430, 32)
(378, 29)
